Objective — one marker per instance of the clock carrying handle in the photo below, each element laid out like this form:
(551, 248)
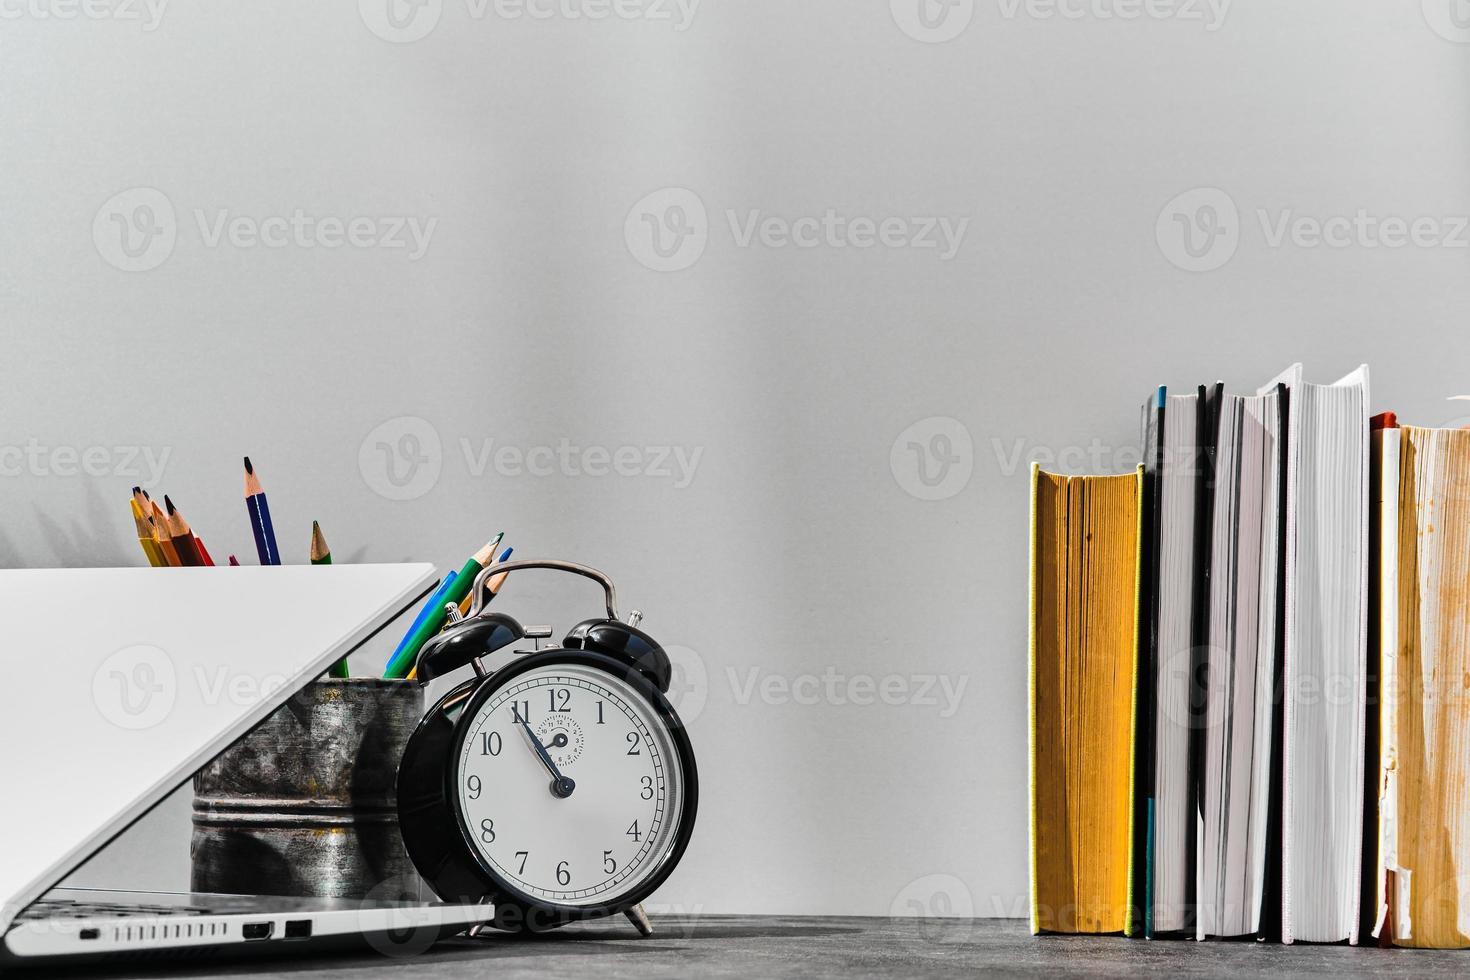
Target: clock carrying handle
(482, 632)
(482, 595)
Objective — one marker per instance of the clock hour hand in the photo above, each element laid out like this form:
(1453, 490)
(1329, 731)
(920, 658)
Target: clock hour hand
(558, 741)
(561, 786)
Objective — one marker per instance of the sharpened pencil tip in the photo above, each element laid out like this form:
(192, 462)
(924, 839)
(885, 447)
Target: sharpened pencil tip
(248, 467)
(320, 553)
(486, 554)
(169, 505)
(137, 489)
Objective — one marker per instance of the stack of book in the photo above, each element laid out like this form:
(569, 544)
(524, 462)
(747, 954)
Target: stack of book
(1250, 676)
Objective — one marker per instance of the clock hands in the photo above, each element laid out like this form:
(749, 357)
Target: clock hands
(558, 741)
(561, 786)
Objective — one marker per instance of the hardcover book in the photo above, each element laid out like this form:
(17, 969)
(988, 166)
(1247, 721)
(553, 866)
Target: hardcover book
(1085, 576)
(1423, 639)
(1179, 448)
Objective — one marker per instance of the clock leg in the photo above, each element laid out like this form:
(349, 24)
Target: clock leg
(639, 918)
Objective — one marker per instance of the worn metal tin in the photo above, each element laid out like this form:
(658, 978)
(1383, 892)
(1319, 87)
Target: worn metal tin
(304, 805)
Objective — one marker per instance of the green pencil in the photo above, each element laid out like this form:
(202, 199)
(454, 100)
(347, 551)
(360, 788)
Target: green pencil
(434, 621)
(322, 555)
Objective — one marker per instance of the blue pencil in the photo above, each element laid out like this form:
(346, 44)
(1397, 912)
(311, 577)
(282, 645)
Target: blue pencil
(398, 665)
(260, 518)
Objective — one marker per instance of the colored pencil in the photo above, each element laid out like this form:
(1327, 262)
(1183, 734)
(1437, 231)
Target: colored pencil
(489, 549)
(159, 520)
(260, 518)
(398, 659)
(469, 596)
(151, 508)
(496, 581)
(203, 551)
(492, 585)
(434, 622)
(145, 537)
(141, 512)
(322, 555)
(183, 536)
(234, 562)
(165, 546)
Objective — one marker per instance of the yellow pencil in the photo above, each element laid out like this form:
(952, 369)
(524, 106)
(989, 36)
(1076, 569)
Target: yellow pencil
(145, 537)
(143, 508)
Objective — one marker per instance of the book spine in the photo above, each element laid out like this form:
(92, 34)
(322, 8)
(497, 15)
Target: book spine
(1364, 544)
(1129, 930)
(1031, 698)
(1288, 607)
(1207, 438)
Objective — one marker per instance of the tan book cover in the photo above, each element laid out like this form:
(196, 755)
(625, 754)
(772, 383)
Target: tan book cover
(1424, 642)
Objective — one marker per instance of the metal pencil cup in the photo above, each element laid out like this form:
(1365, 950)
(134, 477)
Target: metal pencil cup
(304, 805)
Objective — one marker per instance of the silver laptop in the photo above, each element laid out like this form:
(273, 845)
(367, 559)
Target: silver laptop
(117, 685)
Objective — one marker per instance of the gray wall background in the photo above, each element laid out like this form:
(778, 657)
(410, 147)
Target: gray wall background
(822, 595)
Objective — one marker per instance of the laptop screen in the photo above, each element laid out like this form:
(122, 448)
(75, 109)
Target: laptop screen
(119, 683)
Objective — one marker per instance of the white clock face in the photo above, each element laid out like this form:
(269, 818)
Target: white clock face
(570, 785)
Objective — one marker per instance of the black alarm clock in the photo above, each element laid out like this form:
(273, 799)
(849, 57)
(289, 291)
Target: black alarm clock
(559, 787)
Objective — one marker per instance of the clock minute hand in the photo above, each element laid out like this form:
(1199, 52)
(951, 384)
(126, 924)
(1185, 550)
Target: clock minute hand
(561, 786)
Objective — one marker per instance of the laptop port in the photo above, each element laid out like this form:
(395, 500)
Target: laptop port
(89, 934)
(298, 928)
(257, 930)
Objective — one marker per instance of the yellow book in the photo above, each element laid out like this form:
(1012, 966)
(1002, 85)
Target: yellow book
(1085, 578)
(1424, 647)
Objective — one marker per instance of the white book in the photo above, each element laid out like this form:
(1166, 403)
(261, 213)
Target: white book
(1325, 656)
(1245, 620)
(1177, 470)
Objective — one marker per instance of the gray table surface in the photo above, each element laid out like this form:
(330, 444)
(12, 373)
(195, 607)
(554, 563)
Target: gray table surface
(773, 946)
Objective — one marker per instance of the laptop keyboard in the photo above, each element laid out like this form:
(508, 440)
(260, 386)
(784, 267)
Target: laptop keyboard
(61, 908)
